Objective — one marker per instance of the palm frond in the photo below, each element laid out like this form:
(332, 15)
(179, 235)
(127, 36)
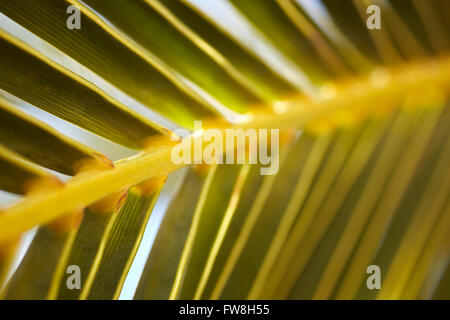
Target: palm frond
(363, 174)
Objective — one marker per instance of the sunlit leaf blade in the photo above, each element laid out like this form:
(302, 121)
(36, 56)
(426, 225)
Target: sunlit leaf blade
(231, 223)
(113, 260)
(416, 215)
(269, 83)
(253, 193)
(206, 220)
(443, 291)
(429, 269)
(52, 88)
(92, 234)
(101, 51)
(333, 205)
(160, 32)
(323, 204)
(313, 184)
(270, 19)
(250, 245)
(17, 175)
(403, 38)
(42, 264)
(340, 212)
(161, 266)
(347, 18)
(327, 52)
(308, 240)
(332, 39)
(40, 143)
(7, 255)
(411, 12)
(428, 221)
(85, 248)
(388, 204)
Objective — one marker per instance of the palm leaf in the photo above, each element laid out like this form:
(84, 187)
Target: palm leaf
(111, 265)
(363, 172)
(161, 267)
(111, 56)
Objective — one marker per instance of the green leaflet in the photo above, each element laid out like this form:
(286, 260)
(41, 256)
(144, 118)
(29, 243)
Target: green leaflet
(334, 203)
(114, 58)
(387, 205)
(270, 19)
(269, 82)
(161, 266)
(432, 261)
(40, 143)
(351, 207)
(229, 227)
(253, 194)
(395, 27)
(90, 236)
(119, 245)
(299, 267)
(52, 88)
(213, 203)
(349, 21)
(411, 14)
(162, 34)
(7, 255)
(41, 265)
(17, 174)
(312, 185)
(236, 276)
(325, 201)
(443, 291)
(419, 208)
(428, 230)
(328, 37)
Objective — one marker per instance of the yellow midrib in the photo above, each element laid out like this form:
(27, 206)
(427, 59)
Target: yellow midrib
(88, 187)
